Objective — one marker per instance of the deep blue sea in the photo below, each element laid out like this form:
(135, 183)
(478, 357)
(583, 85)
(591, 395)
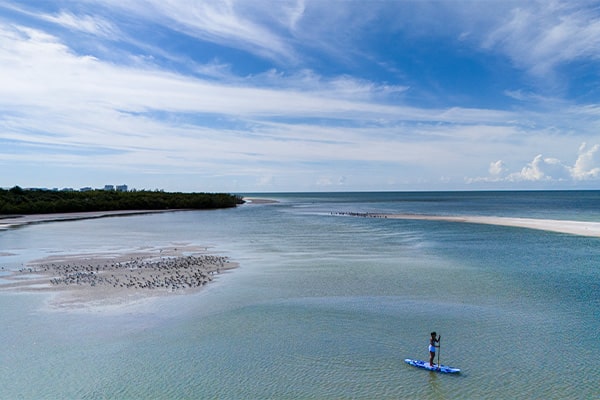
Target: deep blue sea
(324, 306)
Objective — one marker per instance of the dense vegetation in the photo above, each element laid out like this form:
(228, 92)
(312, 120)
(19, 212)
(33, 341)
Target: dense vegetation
(20, 201)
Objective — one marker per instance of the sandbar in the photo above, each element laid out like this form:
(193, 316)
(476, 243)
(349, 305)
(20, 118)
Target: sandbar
(13, 221)
(257, 200)
(79, 281)
(580, 228)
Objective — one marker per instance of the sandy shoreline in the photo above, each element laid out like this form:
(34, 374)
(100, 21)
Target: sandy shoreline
(580, 228)
(14, 221)
(259, 200)
(82, 281)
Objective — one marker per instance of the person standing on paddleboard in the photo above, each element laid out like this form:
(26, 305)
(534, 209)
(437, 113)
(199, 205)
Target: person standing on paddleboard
(432, 346)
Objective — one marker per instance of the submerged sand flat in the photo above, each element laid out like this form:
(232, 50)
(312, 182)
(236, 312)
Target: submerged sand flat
(84, 280)
(118, 278)
(581, 228)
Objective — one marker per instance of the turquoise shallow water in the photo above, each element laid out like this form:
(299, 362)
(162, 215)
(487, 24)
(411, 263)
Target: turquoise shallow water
(325, 306)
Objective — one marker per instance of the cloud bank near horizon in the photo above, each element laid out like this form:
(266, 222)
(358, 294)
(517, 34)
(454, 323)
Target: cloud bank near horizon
(550, 169)
(300, 95)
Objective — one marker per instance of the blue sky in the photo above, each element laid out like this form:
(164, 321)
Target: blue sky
(264, 96)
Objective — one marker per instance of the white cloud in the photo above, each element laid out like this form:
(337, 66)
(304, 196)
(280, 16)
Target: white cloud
(536, 35)
(587, 165)
(85, 23)
(344, 86)
(39, 74)
(541, 35)
(531, 172)
(548, 169)
(60, 104)
(497, 168)
(254, 27)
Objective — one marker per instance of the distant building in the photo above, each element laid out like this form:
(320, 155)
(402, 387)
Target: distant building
(86, 189)
(121, 188)
(109, 187)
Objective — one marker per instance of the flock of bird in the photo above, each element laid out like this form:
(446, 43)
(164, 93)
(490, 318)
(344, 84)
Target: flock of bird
(170, 273)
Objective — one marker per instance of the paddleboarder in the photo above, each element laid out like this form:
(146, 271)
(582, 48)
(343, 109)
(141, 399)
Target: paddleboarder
(432, 345)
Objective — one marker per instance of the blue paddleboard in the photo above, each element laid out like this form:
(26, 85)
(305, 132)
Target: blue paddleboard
(436, 368)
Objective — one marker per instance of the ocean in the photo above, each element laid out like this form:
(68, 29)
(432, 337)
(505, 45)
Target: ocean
(324, 305)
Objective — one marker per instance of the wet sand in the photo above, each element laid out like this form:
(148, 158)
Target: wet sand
(581, 228)
(87, 280)
(13, 221)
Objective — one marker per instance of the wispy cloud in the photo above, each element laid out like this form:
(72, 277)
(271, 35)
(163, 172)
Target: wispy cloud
(255, 27)
(85, 23)
(540, 36)
(45, 73)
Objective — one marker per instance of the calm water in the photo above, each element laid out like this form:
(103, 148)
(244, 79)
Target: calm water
(325, 306)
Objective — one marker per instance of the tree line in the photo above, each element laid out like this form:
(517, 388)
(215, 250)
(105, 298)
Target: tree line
(20, 201)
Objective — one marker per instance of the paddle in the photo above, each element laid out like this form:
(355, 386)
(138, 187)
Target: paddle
(439, 350)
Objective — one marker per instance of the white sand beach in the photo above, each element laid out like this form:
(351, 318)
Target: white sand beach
(257, 200)
(581, 228)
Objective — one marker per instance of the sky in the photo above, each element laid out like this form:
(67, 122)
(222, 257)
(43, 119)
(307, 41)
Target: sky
(300, 96)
